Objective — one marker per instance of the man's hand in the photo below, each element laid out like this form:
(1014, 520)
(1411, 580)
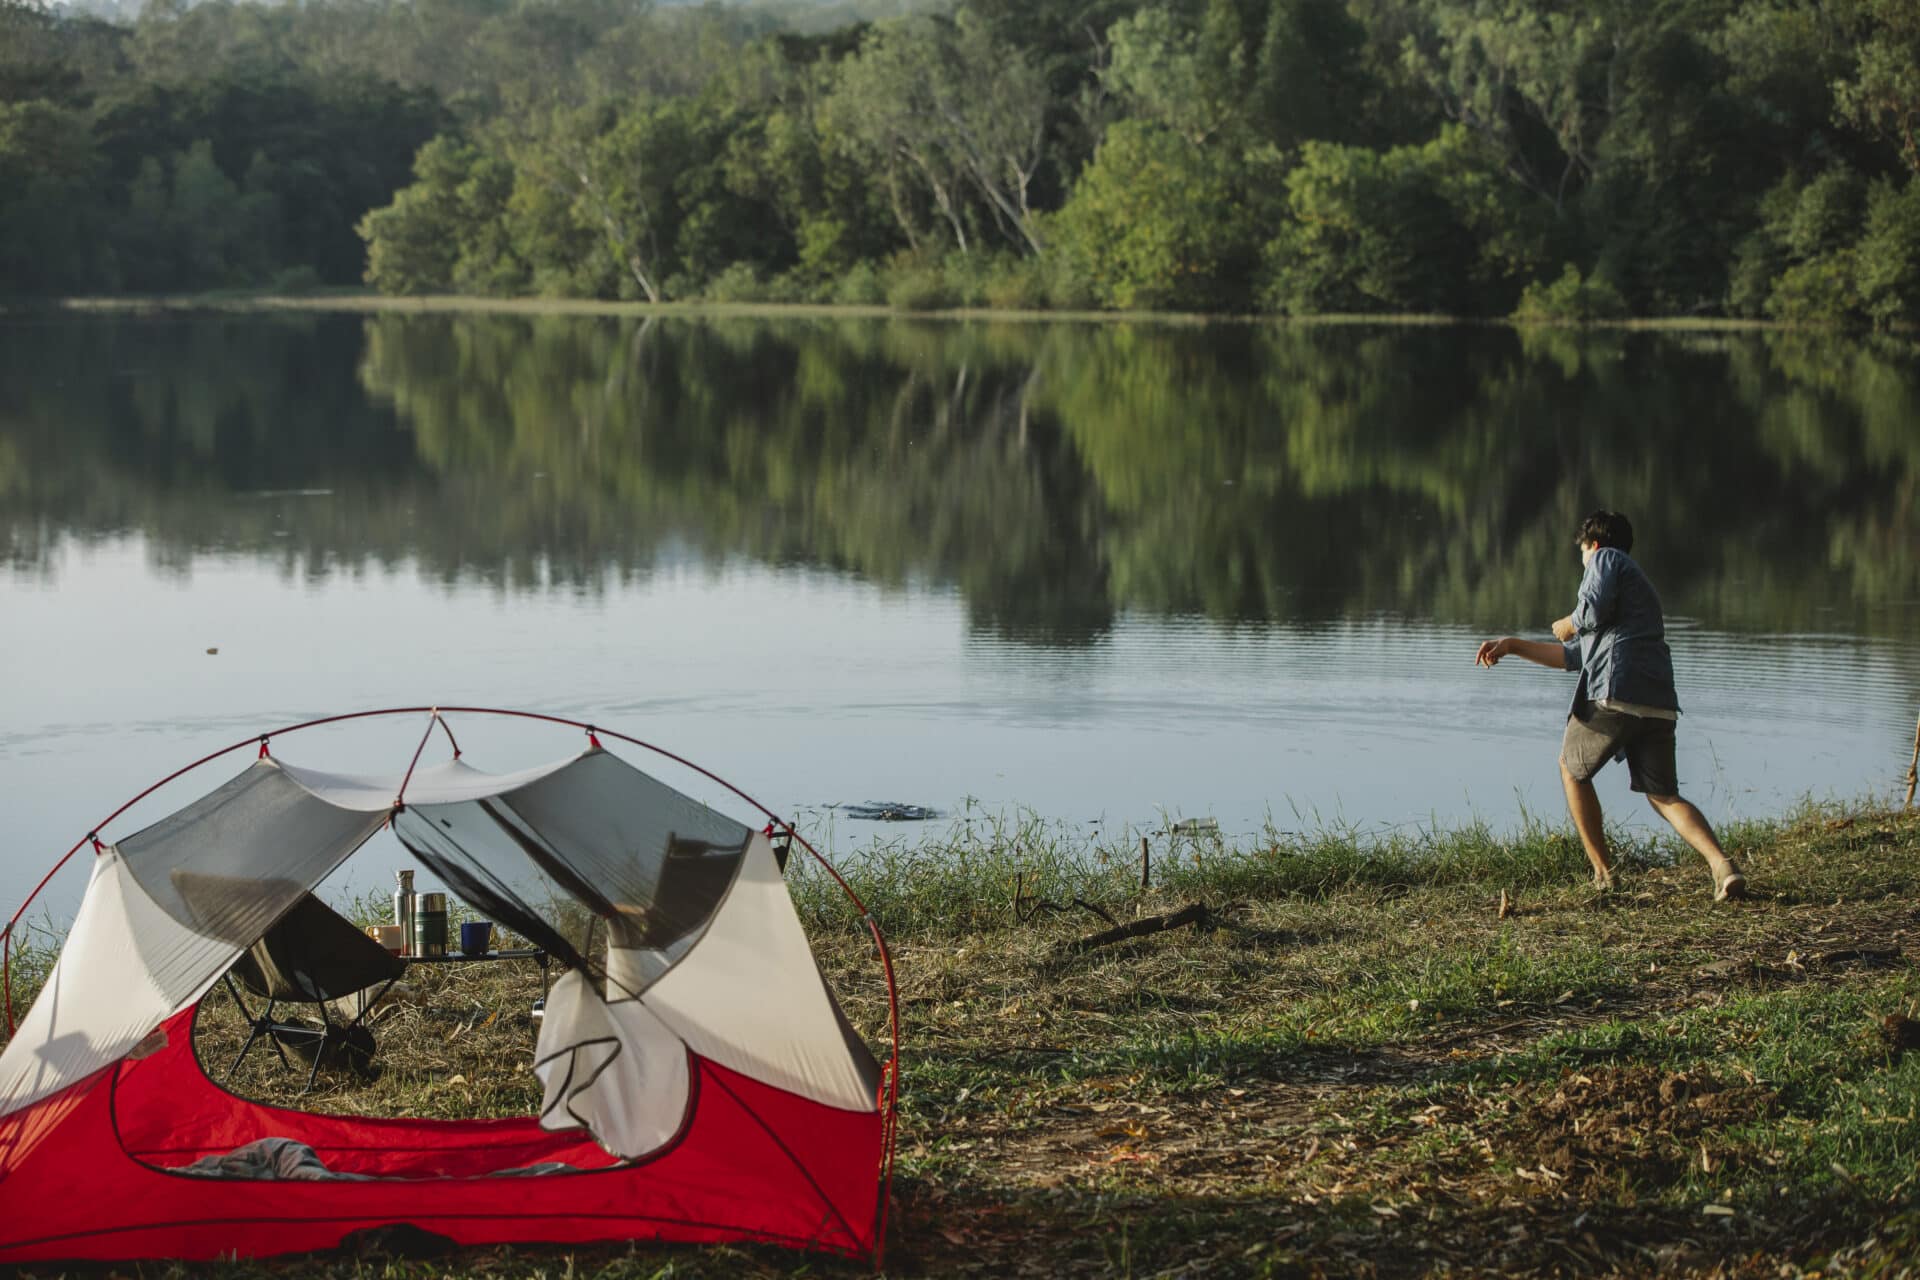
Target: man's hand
(1551, 656)
(1564, 631)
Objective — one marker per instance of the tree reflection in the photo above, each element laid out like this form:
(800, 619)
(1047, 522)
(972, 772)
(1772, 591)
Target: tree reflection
(1054, 475)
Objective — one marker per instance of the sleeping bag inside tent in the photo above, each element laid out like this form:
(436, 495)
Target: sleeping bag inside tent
(699, 1080)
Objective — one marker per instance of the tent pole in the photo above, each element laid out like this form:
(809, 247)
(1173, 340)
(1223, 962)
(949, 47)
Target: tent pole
(873, 926)
(400, 798)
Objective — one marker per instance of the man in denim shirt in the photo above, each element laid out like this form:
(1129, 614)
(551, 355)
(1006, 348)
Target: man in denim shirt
(1624, 705)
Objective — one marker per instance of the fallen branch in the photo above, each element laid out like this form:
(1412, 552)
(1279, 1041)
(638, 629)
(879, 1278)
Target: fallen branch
(1197, 914)
(1025, 908)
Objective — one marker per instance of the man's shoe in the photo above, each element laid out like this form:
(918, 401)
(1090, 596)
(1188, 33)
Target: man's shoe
(1732, 889)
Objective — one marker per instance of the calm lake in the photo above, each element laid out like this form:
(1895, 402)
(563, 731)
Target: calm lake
(1119, 574)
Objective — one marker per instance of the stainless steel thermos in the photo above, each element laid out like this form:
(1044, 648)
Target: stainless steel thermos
(403, 911)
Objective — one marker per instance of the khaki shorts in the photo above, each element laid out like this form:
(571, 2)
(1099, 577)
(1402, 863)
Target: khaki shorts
(1646, 742)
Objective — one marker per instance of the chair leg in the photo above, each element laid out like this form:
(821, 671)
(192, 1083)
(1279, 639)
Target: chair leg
(327, 1038)
(239, 1057)
(278, 1048)
(258, 1026)
(313, 1072)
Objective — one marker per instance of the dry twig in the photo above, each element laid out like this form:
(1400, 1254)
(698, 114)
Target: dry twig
(1025, 908)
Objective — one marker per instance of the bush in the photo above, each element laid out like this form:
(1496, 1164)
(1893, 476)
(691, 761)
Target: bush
(967, 276)
(920, 288)
(1887, 261)
(1832, 252)
(1824, 217)
(555, 281)
(861, 286)
(738, 283)
(1819, 292)
(1572, 299)
(291, 281)
(1064, 288)
(1017, 284)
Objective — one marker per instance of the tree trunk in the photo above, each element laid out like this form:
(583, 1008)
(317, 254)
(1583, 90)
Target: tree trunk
(618, 242)
(900, 210)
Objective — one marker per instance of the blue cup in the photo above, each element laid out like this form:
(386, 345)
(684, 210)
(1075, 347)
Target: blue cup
(475, 937)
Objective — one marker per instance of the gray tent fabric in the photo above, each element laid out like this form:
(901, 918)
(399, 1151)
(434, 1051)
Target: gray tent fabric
(234, 861)
(595, 858)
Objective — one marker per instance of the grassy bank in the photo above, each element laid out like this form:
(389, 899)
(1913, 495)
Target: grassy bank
(1364, 1068)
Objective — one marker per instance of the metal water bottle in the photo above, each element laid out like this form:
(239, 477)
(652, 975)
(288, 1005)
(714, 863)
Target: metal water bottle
(403, 910)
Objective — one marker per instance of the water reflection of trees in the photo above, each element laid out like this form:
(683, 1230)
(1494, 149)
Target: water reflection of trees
(1052, 474)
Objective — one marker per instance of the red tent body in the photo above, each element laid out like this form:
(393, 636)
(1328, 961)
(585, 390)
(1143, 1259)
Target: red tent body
(92, 1173)
(692, 1031)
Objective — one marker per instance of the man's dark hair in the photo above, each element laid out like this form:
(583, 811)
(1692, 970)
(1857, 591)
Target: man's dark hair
(1607, 529)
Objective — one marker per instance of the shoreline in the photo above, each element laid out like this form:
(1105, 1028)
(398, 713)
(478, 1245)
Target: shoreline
(444, 304)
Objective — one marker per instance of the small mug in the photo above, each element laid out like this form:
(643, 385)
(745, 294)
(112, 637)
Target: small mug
(476, 936)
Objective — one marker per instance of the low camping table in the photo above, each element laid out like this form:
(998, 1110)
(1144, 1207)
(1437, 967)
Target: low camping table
(515, 953)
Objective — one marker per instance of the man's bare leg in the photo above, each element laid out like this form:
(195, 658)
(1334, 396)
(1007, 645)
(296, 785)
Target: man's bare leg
(1584, 805)
(1693, 827)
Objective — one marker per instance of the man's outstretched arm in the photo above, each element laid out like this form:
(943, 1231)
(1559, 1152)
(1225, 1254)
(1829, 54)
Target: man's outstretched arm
(1553, 656)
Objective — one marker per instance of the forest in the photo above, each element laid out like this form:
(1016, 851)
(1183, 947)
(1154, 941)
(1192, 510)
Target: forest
(1543, 159)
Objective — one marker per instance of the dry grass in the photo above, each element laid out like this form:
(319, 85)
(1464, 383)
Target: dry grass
(1361, 1076)
(452, 1041)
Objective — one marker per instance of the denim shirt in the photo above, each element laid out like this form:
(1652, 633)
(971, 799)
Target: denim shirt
(1622, 652)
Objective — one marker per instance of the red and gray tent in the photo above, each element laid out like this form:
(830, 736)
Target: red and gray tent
(701, 1082)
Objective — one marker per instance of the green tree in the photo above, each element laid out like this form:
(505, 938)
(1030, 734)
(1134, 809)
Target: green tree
(949, 108)
(447, 230)
(615, 169)
(1193, 79)
(1537, 80)
(1155, 222)
(1428, 228)
(1887, 258)
(1882, 95)
(1309, 81)
(881, 106)
(50, 202)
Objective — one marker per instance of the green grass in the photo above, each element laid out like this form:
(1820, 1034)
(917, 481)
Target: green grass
(33, 947)
(1366, 1068)
(966, 881)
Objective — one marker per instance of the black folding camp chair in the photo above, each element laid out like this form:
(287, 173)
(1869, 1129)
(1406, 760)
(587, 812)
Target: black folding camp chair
(312, 956)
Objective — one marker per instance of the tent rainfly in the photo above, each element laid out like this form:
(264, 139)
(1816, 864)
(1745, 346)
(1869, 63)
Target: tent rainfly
(700, 1081)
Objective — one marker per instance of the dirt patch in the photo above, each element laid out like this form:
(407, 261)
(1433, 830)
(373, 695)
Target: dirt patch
(1616, 1127)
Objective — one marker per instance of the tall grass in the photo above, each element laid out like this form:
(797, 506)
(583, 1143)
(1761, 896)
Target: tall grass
(35, 946)
(966, 880)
